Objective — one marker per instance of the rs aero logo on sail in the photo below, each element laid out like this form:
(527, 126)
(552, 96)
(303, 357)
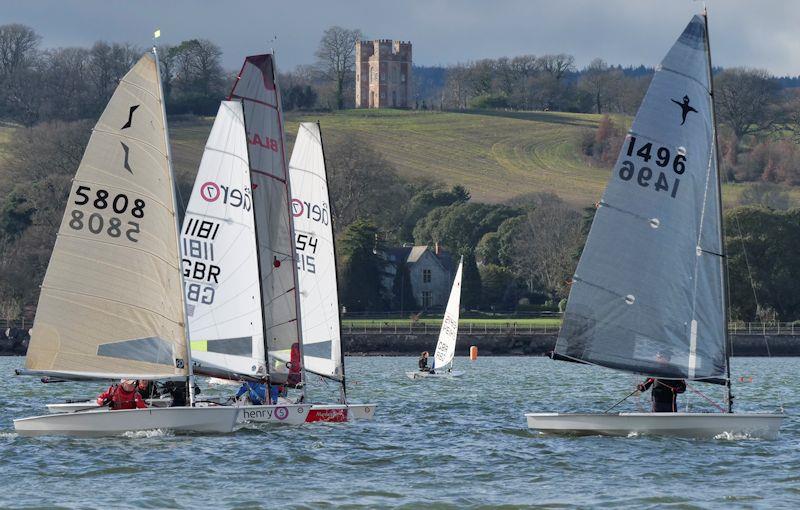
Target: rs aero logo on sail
(211, 192)
(311, 211)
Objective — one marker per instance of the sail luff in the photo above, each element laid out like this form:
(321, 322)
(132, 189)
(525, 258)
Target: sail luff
(335, 267)
(292, 234)
(174, 194)
(725, 284)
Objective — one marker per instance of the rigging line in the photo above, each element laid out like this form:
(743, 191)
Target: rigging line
(707, 398)
(750, 276)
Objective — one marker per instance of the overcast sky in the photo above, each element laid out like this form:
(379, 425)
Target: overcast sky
(761, 33)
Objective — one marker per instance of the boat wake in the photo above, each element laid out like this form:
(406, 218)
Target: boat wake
(733, 436)
(8, 435)
(139, 434)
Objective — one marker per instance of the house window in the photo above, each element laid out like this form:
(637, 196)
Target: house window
(426, 299)
(426, 276)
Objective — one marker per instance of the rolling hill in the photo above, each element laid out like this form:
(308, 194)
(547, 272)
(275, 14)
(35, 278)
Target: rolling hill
(497, 155)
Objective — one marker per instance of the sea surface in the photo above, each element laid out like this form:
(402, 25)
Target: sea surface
(433, 444)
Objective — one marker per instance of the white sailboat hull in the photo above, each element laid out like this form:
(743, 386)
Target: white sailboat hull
(419, 374)
(693, 425)
(213, 419)
(71, 407)
(297, 414)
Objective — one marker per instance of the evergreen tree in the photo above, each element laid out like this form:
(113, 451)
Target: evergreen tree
(362, 268)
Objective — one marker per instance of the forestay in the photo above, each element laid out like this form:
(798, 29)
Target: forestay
(650, 279)
(111, 304)
(218, 244)
(316, 261)
(446, 347)
(255, 85)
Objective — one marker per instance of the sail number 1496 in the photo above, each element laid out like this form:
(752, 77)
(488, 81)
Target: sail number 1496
(644, 175)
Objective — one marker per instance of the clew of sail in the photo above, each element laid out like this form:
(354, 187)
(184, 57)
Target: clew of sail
(218, 245)
(647, 295)
(110, 303)
(316, 260)
(256, 87)
(446, 347)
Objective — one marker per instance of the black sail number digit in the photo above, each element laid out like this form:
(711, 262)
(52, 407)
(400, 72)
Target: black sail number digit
(644, 177)
(626, 172)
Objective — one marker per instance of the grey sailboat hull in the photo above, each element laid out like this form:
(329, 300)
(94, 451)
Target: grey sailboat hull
(691, 425)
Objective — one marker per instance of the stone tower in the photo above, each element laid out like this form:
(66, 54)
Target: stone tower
(383, 74)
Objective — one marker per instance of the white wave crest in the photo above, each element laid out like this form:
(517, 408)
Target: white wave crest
(138, 434)
(8, 435)
(733, 436)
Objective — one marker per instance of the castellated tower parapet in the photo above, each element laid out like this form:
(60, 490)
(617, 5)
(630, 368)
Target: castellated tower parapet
(383, 74)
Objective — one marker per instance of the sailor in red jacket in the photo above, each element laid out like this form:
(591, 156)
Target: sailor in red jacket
(122, 396)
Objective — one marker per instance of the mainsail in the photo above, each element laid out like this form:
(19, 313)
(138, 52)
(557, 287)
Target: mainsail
(446, 347)
(111, 304)
(218, 244)
(316, 260)
(255, 86)
(647, 295)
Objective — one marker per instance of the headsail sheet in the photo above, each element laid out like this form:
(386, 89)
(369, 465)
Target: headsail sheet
(316, 261)
(256, 87)
(647, 296)
(218, 245)
(111, 303)
(446, 347)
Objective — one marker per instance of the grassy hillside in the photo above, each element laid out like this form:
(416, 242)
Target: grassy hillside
(497, 155)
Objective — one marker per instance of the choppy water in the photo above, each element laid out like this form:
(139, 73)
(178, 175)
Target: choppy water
(433, 444)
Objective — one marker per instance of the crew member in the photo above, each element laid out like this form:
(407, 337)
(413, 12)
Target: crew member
(664, 392)
(256, 392)
(423, 362)
(122, 396)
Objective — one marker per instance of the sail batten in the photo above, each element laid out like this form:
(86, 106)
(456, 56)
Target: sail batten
(647, 293)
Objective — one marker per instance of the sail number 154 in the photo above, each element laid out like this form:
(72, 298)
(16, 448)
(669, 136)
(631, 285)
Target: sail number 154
(645, 174)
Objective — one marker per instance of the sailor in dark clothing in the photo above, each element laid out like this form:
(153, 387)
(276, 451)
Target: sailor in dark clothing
(664, 393)
(423, 362)
(148, 389)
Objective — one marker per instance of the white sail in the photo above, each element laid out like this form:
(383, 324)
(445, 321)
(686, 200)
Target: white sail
(220, 263)
(316, 260)
(446, 347)
(111, 304)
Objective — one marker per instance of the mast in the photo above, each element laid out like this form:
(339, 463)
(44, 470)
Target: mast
(258, 261)
(292, 235)
(343, 388)
(190, 375)
(725, 291)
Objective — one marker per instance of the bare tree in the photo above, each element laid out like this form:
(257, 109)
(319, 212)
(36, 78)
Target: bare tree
(745, 100)
(18, 44)
(198, 66)
(336, 55)
(544, 244)
(556, 65)
(108, 64)
(601, 82)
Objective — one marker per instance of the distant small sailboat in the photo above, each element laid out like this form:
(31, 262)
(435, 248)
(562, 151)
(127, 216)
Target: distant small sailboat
(649, 295)
(111, 304)
(448, 334)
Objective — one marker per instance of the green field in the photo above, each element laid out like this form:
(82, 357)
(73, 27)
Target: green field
(497, 155)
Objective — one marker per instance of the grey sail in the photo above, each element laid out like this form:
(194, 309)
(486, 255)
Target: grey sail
(269, 176)
(647, 296)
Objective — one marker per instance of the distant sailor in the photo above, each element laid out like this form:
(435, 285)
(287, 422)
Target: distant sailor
(664, 392)
(147, 389)
(423, 362)
(122, 396)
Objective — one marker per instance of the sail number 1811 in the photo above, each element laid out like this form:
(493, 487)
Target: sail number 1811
(645, 175)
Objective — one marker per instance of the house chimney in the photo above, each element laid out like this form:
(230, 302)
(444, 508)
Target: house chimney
(436, 249)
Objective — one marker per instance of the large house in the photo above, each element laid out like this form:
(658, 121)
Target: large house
(430, 274)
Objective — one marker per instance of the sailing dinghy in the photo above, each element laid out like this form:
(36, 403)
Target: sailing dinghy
(316, 266)
(446, 346)
(649, 293)
(245, 322)
(111, 304)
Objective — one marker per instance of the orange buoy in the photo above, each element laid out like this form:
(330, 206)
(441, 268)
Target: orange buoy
(746, 378)
(473, 352)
